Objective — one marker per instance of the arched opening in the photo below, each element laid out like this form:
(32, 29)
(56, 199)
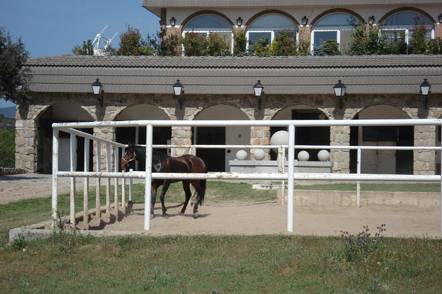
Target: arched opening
(382, 161)
(266, 26)
(218, 159)
(211, 26)
(61, 112)
(335, 26)
(307, 135)
(137, 135)
(398, 26)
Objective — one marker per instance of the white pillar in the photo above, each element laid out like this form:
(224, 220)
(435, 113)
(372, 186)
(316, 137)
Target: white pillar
(291, 180)
(73, 167)
(108, 181)
(54, 202)
(148, 179)
(86, 185)
(98, 187)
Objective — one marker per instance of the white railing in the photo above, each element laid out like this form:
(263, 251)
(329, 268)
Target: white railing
(113, 149)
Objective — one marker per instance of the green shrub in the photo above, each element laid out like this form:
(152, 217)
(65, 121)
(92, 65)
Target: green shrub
(283, 45)
(261, 48)
(418, 41)
(195, 44)
(19, 243)
(435, 46)
(7, 148)
(240, 43)
(328, 48)
(169, 45)
(217, 45)
(303, 48)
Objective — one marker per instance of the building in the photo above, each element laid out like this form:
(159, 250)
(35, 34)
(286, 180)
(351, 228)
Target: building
(296, 87)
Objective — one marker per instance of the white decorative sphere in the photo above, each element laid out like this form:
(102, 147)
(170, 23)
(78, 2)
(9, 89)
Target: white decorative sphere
(280, 138)
(323, 155)
(241, 155)
(303, 156)
(260, 154)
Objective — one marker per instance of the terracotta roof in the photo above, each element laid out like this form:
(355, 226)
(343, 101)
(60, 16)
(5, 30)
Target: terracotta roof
(236, 75)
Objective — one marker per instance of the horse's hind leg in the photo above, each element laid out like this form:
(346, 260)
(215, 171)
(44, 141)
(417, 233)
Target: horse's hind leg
(163, 193)
(186, 188)
(200, 187)
(153, 198)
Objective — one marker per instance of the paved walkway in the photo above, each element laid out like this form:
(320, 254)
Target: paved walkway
(27, 186)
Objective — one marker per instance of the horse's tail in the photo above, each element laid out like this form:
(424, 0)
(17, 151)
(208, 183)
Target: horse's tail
(202, 192)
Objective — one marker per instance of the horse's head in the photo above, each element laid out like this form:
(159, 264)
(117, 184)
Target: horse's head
(129, 156)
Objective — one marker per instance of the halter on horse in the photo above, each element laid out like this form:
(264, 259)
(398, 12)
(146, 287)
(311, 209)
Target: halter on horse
(166, 164)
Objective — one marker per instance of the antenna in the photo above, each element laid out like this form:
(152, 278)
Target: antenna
(98, 40)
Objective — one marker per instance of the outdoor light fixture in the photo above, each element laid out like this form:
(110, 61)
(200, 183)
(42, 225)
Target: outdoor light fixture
(440, 18)
(371, 20)
(239, 21)
(258, 88)
(97, 89)
(178, 90)
(339, 89)
(424, 91)
(304, 21)
(172, 21)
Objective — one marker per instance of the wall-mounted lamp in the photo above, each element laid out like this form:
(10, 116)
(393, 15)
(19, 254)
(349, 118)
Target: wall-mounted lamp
(97, 89)
(178, 91)
(371, 20)
(172, 21)
(339, 89)
(304, 21)
(239, 21)
(425, 91)
(439, 18)
(258, 89)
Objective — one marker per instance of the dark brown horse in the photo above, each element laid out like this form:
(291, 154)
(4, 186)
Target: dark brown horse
(166, 164)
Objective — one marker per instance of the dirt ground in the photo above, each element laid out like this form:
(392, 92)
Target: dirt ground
(271, 218)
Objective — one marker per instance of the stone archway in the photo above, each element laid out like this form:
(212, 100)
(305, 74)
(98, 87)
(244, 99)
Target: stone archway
(137, 135)
(60, 112)
(304, 136)
(382, 161)
(218, 159)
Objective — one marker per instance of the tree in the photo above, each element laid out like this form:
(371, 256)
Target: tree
(419, 44)
(195, 44)
(328, 48)
(217, 45)
(13, 56)
(283, 45)
(132, 43)
(86, 49)
(240, 42)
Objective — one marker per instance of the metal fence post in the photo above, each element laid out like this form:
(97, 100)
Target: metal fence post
(54, 200)
(358, 183)
(291, 178)
(148, 178)
(73, 167)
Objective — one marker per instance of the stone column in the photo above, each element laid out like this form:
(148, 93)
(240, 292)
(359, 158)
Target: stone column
(340, 135)
(438, 30)
(108, 134)
(181, 136)
(424, 161)
(305, 38)
(260, 136)
(26, 145)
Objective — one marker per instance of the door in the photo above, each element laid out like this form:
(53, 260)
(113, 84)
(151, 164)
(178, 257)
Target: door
(214, 158)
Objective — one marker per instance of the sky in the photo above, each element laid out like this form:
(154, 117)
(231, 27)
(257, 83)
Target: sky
(54, 27)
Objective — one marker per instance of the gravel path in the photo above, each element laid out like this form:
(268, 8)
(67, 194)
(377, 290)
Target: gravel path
(27, 186)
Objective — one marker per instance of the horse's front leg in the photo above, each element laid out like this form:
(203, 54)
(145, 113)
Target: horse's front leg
(153, 199)
(166, 185)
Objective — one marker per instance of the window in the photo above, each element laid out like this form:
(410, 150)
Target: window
(268, 26)
(401, 25)
(207, 24)
(335, 26)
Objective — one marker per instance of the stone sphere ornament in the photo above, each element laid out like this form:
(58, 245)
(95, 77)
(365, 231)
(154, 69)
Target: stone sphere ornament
(303, 156)
(241, 155)
(280, 138)
(260, 154)
(323, 155)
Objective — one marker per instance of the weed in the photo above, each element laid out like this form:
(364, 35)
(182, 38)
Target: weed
(19, 243)
(360, 246)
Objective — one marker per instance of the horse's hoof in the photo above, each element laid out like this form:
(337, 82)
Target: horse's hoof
(165, 215)
(195, 215)
(152, 216)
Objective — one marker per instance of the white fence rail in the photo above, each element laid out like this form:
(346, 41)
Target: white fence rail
(113, 149)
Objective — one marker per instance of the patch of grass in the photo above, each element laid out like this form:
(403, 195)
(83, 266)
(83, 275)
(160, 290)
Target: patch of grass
(230, 264)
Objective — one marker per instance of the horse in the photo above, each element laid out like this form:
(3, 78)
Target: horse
(162, 163)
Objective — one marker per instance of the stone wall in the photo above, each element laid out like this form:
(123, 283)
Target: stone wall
(411, 105)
